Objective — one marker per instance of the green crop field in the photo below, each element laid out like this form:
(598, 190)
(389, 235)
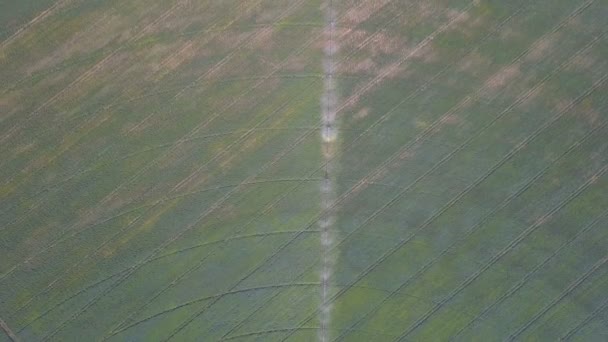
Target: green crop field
(303, 170)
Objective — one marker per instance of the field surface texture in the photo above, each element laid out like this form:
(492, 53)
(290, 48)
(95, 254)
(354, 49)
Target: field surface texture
(303, 170)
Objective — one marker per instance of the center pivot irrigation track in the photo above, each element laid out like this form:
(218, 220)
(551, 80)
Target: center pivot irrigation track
(329, 133)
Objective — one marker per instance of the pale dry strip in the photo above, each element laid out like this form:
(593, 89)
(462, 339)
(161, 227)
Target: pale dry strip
(328, 194)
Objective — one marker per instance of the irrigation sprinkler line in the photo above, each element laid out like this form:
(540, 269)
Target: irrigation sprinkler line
(327, 193)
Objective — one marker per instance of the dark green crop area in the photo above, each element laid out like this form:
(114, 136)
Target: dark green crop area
(162, 170)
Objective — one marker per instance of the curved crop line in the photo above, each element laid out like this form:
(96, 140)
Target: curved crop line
(178, 235)
(154, 259)
(561, 296)
(127, 156)
(482, 178)
(568, 335)
(223, 294)
(504, 251)
(293, 330)
(264, 304)
(171, 89)
(107, 219)
(182, 276)
(268, 207)
(56, 306)
(228, 239)
(202, 299)
(253, 182)
(267, 332)
(245, 182)
(424, 42)
(218, 155)
(287, 59)
(527, 276)
(180, 86)
(243, 138)
(520, 99)
(268, 76)
(200, 263)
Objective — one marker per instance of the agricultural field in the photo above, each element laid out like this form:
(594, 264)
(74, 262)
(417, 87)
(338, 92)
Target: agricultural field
(303, 170)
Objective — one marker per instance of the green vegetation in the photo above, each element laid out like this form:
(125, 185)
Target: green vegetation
(162, 167)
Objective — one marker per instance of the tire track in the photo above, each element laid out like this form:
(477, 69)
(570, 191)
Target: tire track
(537, 268)
(505, 250)
(8, 332)
(568, 335)
(559, 298)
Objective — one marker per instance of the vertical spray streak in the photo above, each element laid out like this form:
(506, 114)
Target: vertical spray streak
(329, 135)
